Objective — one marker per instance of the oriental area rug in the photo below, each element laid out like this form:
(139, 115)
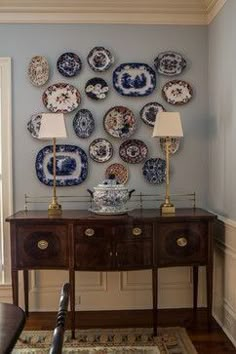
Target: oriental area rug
(172, 340)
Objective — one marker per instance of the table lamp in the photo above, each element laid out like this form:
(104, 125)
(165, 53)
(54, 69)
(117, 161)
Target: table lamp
(168, 125)
(52, 126)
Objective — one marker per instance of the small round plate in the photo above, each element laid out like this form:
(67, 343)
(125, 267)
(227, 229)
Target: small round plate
(83, 123)
(177, 92)
(33, 125)
(170, 63)
(149, 112)
(174, 145)
(154, 170)
(120, 171)
(119, 122)
(96, 88)
(69, 64)
(38, 70)
(100, 59)
(100, 150)
(133, 151)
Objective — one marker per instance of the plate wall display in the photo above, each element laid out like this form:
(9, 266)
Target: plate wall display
(71, 165)
(61, 98)
(119, 171)
(119, 122)
(100, 150)
(83, 123)
(96, 88)
(154, 170)
(177, 92)
(170, 63)
(149, 111)
(174, 145)
(134, 79)
(133, 151)
(100, 59)
(38, 70)
(33, 125)
(69, 64)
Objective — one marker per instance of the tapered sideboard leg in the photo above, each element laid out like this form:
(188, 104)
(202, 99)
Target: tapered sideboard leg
(154, 298)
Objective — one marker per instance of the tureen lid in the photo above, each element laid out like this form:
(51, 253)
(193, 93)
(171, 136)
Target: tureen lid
(111, 182)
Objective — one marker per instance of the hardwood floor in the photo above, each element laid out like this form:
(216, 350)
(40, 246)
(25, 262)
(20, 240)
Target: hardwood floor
(206, 342)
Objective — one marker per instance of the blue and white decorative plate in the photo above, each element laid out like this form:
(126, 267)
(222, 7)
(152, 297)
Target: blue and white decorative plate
(96, 88)
(154, 170)
(33, 125)
(83, 123)
(149, 111)
(134, 79)
(170, 63)
(69, 64)
(100, 150)
(177, 92)
(100, 59)
(71, 165)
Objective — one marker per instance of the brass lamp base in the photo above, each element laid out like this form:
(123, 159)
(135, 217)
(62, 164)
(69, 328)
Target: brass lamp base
(54, 208)
(167, 208)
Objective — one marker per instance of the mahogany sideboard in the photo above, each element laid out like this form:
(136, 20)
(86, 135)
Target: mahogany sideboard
(79, 240)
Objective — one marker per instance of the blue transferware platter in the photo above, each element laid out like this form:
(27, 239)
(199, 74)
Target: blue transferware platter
(134, 79)
(33, 125)
(177, 92)
(38, 70)
(96, 88)
(170, 63)
(154, 170)
(69, 64)
(71, 165)
(100, 150)
(149, 112)
(83, 123)
(100, 59)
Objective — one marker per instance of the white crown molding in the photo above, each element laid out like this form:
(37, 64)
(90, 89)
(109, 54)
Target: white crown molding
(218, 4)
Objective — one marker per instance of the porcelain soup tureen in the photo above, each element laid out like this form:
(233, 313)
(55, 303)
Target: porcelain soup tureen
(110, 197)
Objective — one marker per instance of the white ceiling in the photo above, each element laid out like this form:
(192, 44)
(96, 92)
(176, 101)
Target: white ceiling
(110, 11)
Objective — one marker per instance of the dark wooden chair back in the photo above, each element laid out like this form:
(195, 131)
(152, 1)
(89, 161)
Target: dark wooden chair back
(58, 333)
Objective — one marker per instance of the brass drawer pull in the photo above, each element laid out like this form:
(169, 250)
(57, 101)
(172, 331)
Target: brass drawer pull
(89, 232)
(137, 231)
(42, 244)
(182, 242)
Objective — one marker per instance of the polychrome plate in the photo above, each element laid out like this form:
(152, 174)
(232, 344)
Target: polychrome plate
(71, 165)
(170, 63)
(119, 122)
(134, 79)
(154, 170)
(96, 88)
(119, 171)
(133, 151)
(33, 125)
(100, 150)
(177, 92)
(100, 59)
(174, 145)
(69, 64)
(149, 112)
(83, 123)
(38, 70)
(61, 97)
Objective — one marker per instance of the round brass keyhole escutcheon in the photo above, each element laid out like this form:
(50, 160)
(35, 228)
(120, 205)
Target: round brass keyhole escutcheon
(182, 241)
(89, 232)
(42, 244)
(137, 231)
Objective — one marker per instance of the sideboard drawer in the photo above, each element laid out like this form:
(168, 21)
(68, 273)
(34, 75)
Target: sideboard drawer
(42, 246)
(182, 243)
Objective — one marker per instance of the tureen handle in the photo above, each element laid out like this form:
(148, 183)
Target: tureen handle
(90, 192)
(130, 192)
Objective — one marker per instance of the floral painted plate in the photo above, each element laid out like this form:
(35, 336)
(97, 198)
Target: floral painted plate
(119, 171)
(100, 150)
(170, 63)
(154, 170)
(177, 92)
(71, 165)
(69, 64)
(174, 145)
(133, 151)
(96, 88)
(149, 112)
(61, 97)
(83, 123)
(33, 125)
(38, 70)
(134, 79)
(100, 59)
(119, 122)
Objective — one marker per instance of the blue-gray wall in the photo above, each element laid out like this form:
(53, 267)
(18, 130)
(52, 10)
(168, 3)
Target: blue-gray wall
(129, 44)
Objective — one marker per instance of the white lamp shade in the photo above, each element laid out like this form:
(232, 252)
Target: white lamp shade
(52, 126)
(168, 124)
